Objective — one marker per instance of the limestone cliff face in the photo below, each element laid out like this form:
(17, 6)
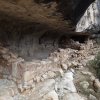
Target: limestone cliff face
(91, 18)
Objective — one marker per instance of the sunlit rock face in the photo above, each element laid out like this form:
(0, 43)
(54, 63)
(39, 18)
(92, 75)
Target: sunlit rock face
(91, 19)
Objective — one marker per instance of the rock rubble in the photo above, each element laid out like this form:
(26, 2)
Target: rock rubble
(54, 78)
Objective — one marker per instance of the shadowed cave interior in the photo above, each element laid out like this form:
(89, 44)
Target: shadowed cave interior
(32, 40)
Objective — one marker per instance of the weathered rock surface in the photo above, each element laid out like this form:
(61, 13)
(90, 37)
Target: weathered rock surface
(6, 97)
(96, 84)
(42, 89)
(72, 96)
(41, 57)
(66, 88)
(39, 79)
(51, 96)
(8, 89)
(91, 19)
(91, 97)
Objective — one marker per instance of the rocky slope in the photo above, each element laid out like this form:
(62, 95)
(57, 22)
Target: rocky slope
(62, 76)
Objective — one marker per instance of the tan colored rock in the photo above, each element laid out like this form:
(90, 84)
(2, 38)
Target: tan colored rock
(51, 74)
(55, 59)
(3, 50)
(45, 76)
(74, 64)
(14, 56)
(6, 57)
(64, 66)
(69, 64)
(51, 96)
(86, 73)
(37, 79)
(27, 76)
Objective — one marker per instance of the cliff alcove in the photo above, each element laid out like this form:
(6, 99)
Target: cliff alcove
(34, 28)
(45, 46)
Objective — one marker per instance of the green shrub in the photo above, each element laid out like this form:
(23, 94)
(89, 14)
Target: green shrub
(95, 64)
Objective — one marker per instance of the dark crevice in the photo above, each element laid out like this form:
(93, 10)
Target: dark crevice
(80, 39)
(43, 1)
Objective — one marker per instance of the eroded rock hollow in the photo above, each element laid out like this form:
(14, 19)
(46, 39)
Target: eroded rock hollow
(35, 28)
(42, 44)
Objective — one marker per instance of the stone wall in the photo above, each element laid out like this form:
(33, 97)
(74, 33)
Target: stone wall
(27, 73)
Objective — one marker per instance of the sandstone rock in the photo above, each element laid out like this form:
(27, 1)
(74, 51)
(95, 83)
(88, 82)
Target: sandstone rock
(64, 66)
(45, 76)
(48, 75)
(37, 79)
(51, 96)
(69, 64)
(55, 60)
(51, 74)
(3, 50)
(86, 73)
(27, 76)
(74, 64)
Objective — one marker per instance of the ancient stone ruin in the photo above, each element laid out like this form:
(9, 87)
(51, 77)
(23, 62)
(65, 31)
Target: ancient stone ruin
(43, 50)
